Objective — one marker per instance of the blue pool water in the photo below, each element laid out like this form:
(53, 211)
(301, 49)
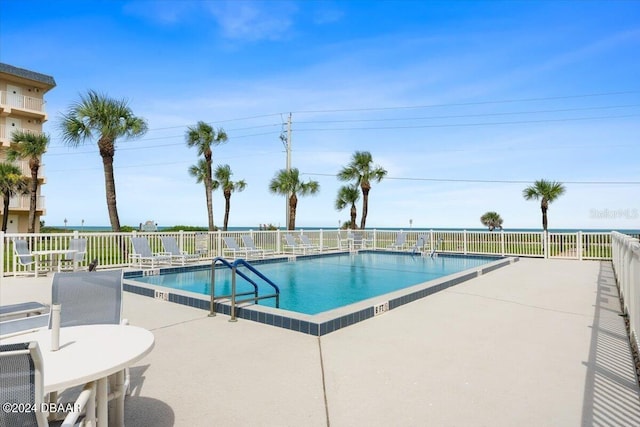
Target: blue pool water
(318, 284)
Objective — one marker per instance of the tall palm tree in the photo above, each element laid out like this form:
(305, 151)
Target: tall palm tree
(287, 183)
(203, 137)
(199, 172)
(12, 182)
(27, 145)
(349, 195)
(492, 220)
(107, 119)
(222, 180)
(363, 172)
(547, 192)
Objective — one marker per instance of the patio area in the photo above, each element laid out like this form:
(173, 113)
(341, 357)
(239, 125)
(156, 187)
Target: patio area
(540, 342)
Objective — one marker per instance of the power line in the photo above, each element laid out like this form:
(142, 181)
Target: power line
(488, 181)
(461, 104)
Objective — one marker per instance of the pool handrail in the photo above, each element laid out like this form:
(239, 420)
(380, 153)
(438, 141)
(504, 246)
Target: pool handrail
(234, 268)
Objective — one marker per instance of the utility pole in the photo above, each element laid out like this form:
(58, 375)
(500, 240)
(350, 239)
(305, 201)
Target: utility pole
(286, 141)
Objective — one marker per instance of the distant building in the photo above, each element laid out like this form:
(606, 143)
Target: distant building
(22, 108)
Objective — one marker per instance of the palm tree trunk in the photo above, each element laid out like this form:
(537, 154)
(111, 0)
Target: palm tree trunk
(110, 190)
(293, 203)
(207, 189)
(354, 214)
(227, 208)
(208, 185)
(365, 206)
(34, 199)
(5, 211)
(544, 219)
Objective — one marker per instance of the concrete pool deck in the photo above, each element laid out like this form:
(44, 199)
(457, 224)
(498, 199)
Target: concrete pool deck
(537, 343)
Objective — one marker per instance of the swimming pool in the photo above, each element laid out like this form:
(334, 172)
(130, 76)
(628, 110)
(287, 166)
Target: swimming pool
(380, 280)
(318, 284)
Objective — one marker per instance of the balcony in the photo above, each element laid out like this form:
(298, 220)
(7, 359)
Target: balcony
(21, 203)
(23, 105)
(6, 133)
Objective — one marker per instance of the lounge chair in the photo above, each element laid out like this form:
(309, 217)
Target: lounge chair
(78, 250)
(171, 248)
(420, 245)
(23, 324)
(307, 243)
(234, 249)
(23, 257)
(248, 242)
(291, 244)
(22, 379)
(143, 256)
(400, 242)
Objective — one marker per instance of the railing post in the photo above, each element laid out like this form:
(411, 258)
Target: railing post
(278, 238)
(321, 240)
(545, 244)
(464, 239)
(579, 246)
(1, 254)
(502, 251)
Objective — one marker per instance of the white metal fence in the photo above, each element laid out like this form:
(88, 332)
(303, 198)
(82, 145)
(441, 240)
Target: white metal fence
(626, 264)
(112, 249)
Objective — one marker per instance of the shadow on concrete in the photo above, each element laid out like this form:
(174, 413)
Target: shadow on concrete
(612, 394)
(144, 411)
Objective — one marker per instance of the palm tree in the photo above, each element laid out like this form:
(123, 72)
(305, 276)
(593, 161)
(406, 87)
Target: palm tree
(492, 220)
(223, 180)
(203, 137)
(27, 145)
(287, 183)
(348, 195)
(12, 182)
(363, 172)
(107, 119)
(199, 171)
(547, 191)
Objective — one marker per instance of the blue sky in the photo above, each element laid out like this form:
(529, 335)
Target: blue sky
(463, 102)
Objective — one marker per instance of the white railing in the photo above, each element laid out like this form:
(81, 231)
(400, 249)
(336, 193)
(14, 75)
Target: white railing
(22, 202)
(4, 134)
(111, 249)
(626, 265)
(21, 101)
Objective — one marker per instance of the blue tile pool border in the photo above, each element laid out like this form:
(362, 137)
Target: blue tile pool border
(304, 323)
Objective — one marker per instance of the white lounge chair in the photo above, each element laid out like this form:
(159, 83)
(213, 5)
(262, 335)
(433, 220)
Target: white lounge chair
(234, 249)
(307, 243)
(421, 244)
(171, 248)
(142, 255)
(248, 242)
(400, 242)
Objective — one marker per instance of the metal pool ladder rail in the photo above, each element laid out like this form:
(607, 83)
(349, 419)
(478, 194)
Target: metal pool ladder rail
(234, 270)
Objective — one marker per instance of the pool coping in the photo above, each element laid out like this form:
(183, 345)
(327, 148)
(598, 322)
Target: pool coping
(319, 324)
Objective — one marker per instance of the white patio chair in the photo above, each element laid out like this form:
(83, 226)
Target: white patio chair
(234, 249)
(421, 244)
(248, 242)
(21, 383)
(23, 257)
(76, 254)
(400, 242)
(143, 256)
(170, 245)
(90, 298)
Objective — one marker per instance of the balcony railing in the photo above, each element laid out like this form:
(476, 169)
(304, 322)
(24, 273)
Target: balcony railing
(22, 202)
(21, 102)
(6, 133)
